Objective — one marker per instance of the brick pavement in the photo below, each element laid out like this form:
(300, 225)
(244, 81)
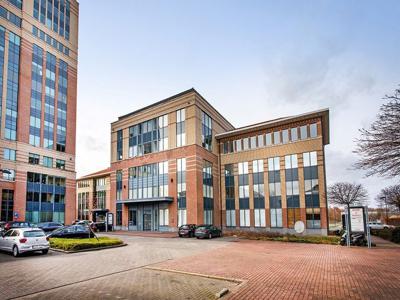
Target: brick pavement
(275, 270)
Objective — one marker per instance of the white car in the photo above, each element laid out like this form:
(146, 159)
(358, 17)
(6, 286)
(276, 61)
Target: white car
(21, 240)
(378, 225)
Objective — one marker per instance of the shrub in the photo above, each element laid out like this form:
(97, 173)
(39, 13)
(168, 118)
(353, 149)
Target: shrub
(396, 235)
(81, 244)
(275, 236)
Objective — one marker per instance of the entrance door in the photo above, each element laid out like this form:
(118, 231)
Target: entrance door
(147, 221)
(132, 225)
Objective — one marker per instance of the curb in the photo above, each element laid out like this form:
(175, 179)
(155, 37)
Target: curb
(87, 250)
(235, 280)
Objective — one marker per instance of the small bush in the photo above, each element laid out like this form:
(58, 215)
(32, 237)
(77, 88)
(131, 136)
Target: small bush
(81, 244)
(275, 236)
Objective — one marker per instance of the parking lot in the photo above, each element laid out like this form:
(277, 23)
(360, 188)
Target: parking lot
(146, 269)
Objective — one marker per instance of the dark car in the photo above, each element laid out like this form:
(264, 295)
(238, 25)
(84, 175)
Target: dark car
(187, 230)
(18, 224)
(49, 226)
(72, 232)
(207, 231)
(86, 223)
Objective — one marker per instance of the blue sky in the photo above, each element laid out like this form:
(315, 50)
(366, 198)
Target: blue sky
(253, 60)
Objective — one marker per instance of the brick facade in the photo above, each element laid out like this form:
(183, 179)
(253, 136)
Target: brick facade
(21, 144)
(196, 155)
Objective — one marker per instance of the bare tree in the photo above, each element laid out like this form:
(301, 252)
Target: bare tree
(347, 194)
(379, 146)
(390, 198)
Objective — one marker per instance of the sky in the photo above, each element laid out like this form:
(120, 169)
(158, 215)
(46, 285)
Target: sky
(252, 60)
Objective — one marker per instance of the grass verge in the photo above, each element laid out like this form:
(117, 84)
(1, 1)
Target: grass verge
(81, 244)
(269, 236)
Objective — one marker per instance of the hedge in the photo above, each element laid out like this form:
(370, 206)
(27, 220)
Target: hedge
(388, 234)
(81, 244)
(274, 236)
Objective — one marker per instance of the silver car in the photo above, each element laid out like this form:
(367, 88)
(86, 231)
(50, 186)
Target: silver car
(21, 240)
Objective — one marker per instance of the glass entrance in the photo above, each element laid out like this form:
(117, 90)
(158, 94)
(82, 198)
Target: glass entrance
(132, 223)
(147, 221)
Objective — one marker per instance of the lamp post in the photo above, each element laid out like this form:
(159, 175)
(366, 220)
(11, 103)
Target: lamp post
(384, 198)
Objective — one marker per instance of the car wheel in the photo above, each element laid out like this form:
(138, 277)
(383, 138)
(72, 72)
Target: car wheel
(45, 251)
(197, 237)
(210, 236)
(15, 251)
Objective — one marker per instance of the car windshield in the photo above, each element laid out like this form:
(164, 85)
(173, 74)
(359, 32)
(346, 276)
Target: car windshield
(184, 227)
(21, 224)
(203, 227)
(34, 233)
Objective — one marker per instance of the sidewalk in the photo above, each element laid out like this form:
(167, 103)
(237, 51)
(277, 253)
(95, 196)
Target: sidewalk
(382, 243)
(144, 233)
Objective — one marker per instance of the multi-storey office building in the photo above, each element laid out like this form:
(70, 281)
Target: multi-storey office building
(93, 196)
(180, 161)
(38, 81)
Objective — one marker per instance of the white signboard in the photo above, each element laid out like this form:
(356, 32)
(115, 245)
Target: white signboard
(110, 218)
(357, 219)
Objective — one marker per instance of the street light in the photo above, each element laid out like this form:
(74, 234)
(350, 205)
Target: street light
(386, 208)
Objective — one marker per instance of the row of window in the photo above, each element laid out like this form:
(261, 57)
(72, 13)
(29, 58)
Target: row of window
(148, 181)
(34, 159)
(152, 135)
(49, 40)
(83, 206)
(9, 16)
(272, 138)
(10, 132)
(275, 198)
(45, 198)
(54, 14)
(16, 3)
(83, 183)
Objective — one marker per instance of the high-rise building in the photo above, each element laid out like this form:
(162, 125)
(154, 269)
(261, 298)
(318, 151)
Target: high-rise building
(38, 91)
(179, 161)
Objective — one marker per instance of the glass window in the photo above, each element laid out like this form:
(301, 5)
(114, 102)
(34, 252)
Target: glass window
(206, 131)
(238, 144)
(285, 136)
(277, 137)
(253, 142)
(293, 134)
(268, 139)
(260, 141)
(34, 159)
(313, 130)
(9, 154)
(60, 164)
(47, 162)
(303, 132)
(246, 144)
(180, 128)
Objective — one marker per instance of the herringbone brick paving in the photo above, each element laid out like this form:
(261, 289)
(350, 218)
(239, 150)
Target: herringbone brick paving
(275, 270)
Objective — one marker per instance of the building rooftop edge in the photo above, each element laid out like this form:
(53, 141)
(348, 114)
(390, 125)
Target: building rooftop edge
(324, 113)
(191, 90)
(96, 174)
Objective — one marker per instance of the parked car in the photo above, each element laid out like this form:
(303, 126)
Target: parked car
(86, 223)
(207, 231)
(18, 224)
(49, 226)
(379, 225)
(21, 240)
(187, 230)
(73, 231)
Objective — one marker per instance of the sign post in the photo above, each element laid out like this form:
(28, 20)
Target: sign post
(358, 220)
(109, 220)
